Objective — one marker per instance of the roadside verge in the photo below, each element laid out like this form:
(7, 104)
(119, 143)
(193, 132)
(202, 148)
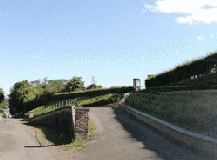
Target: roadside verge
(191, 139)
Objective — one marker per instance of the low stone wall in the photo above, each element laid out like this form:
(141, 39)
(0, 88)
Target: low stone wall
(60, 119)
(67, 120)
(191, 139)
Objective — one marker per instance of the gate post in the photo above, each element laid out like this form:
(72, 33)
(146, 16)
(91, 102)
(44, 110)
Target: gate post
(81, 122)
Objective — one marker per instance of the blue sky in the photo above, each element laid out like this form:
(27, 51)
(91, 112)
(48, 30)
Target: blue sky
(114, 41)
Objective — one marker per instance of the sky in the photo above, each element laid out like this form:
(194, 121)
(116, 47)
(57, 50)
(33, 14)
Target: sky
(112, 41)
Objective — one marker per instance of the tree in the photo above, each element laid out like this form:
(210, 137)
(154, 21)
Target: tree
(35, 83)
(93, 84)
(1, 95)
(55, 86)
(20, 94)
(75, 84)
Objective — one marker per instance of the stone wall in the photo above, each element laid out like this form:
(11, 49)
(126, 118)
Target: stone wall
(67, 119)
(60, 119)
(81, 122)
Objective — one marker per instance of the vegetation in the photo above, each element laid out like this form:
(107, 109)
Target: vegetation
(4, 103)
(1, 116)
(194, 111)
(185, 71)
(20, 95)
(25, 96)
(1, 95)
(75, 84)
(62, 139)
(82, 101)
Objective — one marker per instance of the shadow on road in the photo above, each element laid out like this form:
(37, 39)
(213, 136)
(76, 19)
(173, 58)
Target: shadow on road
(162, 145)
(53, 135)
(38, 146)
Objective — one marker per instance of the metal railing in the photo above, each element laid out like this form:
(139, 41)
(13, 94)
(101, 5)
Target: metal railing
(56, 105)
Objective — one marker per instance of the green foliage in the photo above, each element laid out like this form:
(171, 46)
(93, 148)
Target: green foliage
(75, 84)
(4, 103)
(193, 111)
(26, 95)
(90, 101)
(92, 128)
(88, 93)
(1, 95)
(94, 86)
(184, 71)
(21, 93)
(1, 116)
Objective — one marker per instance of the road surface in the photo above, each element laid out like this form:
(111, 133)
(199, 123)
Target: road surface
(124, 138)
(18, 142)
(119, 137)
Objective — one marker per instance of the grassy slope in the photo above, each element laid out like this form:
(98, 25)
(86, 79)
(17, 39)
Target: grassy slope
(204, 80)
(194, 111)
(82, 101)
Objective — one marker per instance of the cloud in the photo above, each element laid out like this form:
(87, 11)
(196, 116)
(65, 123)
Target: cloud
(200, 38)
(194, 10)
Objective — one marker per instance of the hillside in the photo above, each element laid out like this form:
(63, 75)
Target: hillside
(192, 110)
(188, 70)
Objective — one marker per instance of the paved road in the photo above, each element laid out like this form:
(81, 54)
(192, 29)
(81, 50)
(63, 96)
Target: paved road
(119, 137)
(18, 142)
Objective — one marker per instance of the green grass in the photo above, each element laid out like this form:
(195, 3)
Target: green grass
(92, 128)
(203, 80)
(82, 101)
(194, 111)
(1, 116)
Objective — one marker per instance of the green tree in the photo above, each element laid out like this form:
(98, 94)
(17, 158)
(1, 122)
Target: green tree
(20, 94)
(55, 86)
(1, 95)
(4, 103)
(75, 84)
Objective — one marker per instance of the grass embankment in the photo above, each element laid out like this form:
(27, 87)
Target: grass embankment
(202, 80)
(194, 111)
(83, 101)
(53, 137)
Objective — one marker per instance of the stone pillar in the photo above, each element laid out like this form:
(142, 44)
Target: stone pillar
(81, 122)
